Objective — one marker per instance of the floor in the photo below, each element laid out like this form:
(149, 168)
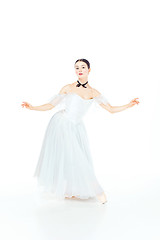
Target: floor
(124, 216)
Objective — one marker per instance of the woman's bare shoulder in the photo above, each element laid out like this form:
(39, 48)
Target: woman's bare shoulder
(95, 92)
(65, 89)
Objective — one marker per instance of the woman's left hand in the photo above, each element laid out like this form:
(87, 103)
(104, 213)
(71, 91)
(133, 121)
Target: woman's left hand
(133, 102)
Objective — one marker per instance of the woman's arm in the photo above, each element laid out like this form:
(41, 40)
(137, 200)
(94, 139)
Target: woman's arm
(47, 106)
(114, 109)
(43, 107)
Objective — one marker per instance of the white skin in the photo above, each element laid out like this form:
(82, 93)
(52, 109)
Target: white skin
(86, 93)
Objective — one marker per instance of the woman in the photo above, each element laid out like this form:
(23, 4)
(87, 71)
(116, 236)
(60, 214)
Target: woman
(65, 164)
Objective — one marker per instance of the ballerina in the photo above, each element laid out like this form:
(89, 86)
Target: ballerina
(65, 167)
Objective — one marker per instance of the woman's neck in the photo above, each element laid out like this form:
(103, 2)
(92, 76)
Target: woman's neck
(83, 80)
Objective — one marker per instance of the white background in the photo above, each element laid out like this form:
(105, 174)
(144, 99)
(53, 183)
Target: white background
(39, 44)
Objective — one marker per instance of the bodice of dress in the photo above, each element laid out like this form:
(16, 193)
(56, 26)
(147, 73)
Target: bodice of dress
(75, 107)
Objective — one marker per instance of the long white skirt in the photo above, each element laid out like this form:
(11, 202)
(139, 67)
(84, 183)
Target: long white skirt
(65, 167)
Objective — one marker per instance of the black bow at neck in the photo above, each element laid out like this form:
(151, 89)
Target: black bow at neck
(80, 84)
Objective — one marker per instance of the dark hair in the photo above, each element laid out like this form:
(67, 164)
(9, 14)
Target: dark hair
(84, 60)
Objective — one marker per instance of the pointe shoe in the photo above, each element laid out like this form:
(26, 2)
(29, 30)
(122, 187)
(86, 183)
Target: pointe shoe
(104, 202)
(102, 198)
(73, 197)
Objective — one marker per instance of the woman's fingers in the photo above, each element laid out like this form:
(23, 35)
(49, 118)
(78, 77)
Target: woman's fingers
(134, 101)
(25, 104)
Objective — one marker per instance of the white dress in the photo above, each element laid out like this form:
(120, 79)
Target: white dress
(65, 167)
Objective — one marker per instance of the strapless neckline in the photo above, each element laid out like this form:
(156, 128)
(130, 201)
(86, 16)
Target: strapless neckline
(80, 96)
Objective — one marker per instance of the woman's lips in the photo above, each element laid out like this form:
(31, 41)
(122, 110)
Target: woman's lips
(80, 73)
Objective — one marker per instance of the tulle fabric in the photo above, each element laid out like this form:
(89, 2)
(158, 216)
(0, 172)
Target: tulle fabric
(101, 99)
(65, 166)
(59, 99)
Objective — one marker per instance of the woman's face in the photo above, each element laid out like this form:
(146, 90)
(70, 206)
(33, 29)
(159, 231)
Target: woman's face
(81, 69)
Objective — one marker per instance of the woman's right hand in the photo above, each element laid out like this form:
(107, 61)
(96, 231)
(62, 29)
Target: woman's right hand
(27, 105)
